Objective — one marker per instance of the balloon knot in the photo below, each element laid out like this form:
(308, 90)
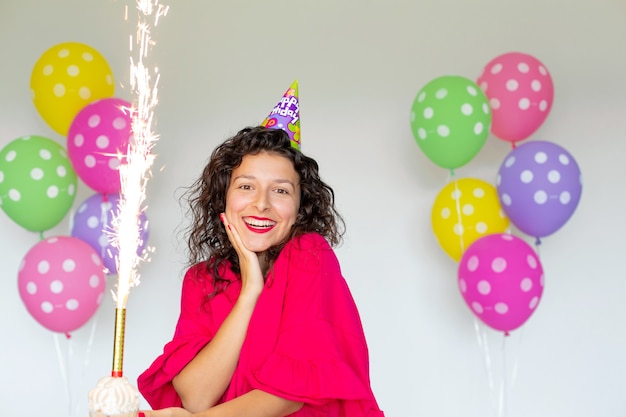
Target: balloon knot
(506, 333)
(538, 242)
(67, 335)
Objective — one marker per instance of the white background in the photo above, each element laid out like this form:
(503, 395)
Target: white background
(225, 64)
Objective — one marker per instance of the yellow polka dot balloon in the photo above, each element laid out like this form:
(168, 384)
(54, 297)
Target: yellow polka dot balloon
(465, 210)
(65, 79)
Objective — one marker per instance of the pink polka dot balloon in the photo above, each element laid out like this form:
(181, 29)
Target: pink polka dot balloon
(520, 93)
(61, 282)
(501, 280)
(97, 143)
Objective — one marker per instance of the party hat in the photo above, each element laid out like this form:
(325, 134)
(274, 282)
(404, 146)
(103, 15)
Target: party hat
(286, 115)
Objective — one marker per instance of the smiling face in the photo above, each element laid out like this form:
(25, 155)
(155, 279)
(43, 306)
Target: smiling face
(263, 199)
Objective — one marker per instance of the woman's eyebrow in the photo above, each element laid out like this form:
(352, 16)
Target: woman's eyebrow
(276, 181)
(284, 181)
(244, 176)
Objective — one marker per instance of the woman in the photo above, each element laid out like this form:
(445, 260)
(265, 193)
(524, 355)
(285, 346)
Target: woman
(268, 326)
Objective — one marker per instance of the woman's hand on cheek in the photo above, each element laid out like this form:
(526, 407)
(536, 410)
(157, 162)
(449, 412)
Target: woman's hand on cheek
(251, 274)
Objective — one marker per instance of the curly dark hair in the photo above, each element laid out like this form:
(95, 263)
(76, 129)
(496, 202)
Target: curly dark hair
(207, 240)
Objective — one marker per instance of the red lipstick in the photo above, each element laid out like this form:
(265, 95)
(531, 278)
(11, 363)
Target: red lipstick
(259, 224)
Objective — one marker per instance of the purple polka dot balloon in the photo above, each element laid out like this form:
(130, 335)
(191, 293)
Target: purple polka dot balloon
(539, 186)
(501, 280)
(93, 223)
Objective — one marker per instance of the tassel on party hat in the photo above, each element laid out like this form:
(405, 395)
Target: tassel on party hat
(286, 115)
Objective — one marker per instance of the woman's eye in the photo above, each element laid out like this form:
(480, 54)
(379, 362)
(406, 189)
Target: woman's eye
(281, 191)
(245, 187)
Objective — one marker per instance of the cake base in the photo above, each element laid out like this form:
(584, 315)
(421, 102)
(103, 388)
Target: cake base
(113, 397)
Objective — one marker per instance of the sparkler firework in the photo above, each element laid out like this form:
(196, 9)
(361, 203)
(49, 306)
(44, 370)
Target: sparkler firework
(135, 173)
(115, 395)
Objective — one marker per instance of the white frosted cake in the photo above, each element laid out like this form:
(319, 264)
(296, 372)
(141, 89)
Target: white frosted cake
(113, 397)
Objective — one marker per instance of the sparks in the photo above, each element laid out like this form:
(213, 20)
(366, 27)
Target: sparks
(135, 173)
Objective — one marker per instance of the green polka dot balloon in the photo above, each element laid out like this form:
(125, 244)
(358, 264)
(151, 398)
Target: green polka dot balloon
(37, 182)
(450, 120)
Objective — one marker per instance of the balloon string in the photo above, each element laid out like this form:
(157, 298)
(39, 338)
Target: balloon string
(537, 246)
(503, 383)
(516, 361)
(499, 390)
(70, 360)
(64, 371)
(506, 385)
(484, 347)
(103, 233)
(457, 201)
(90, 343)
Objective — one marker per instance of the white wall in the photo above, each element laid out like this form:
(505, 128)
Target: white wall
(224, 64)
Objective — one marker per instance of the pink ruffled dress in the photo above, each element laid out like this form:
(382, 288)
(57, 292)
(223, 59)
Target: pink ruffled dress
(305, 340)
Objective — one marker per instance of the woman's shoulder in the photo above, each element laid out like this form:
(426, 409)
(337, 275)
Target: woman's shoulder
(308, 250)
(199, 270)
(309, 241)
(199, 279)
(202, 272)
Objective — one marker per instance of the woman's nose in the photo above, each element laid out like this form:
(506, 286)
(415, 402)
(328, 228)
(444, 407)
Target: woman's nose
(262, 202)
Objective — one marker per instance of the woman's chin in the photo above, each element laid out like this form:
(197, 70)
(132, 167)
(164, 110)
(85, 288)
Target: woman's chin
(257, 247)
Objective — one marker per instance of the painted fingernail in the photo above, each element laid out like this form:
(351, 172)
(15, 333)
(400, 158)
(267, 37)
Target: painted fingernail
(141, 414)
(230, 228)
(222, 217)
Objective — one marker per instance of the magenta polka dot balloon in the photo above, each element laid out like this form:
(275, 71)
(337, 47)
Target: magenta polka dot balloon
(501, 280)
(97, 143)
(520, 92)
(61, 282)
